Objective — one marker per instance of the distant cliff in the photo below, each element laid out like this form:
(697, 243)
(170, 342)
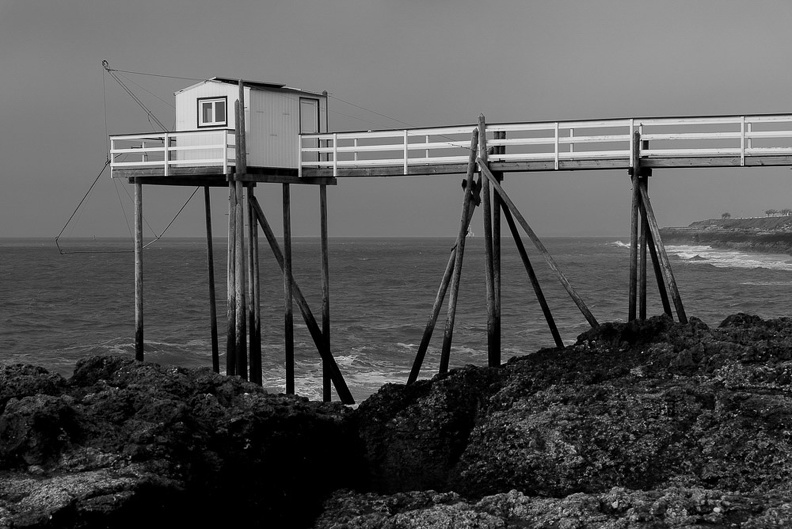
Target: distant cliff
(762, 234)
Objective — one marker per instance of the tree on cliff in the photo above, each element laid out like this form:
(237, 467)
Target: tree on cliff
(786, 212)
(726, 215)
(771, 212)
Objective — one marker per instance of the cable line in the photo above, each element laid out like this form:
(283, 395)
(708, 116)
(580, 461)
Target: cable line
(107, 162)
(137, 100)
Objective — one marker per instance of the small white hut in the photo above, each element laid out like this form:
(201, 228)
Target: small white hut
(274, 117)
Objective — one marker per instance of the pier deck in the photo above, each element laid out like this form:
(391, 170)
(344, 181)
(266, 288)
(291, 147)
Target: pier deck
(719, 141)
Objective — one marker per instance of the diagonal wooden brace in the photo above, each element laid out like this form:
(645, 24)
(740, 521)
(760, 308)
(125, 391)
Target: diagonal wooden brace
(316, 333)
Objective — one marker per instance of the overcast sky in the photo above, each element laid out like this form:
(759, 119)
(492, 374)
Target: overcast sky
(422, 63)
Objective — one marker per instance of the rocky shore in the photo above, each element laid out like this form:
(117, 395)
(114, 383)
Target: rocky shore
(764, 234)
(643, 425)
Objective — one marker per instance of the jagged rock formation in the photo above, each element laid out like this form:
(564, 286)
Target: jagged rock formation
(646, 424)
(127, 444)
(650, 424)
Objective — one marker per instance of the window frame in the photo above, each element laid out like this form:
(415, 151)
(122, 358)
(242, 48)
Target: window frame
(214, 100)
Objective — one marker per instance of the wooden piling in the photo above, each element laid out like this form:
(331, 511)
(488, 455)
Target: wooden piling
(310, 321)
(658, 270)
(654, 229)
(459, 254)
(496, 252)
(326, 393)
(642, 181)
(539, 245)
(254, 294)
(239, 250)
(288, 281)
(430, 325)
(210, 266)
(532, 276)
(231, 281)
(663, 256)
(493, 354)
(139, 271)
(634, 230)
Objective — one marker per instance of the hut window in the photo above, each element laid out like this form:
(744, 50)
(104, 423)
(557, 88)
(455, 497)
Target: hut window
(212, 112)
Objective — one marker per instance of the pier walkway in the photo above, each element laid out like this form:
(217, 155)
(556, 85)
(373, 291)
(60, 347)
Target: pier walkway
(721, 141)
(715, 141)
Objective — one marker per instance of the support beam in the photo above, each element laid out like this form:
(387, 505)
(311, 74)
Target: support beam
(493, 353)
(430, 325)
(139, 271)
(496, 255)
(239, 249)
(539, 245)
(308, 317)
(464, 222)
(654, 229)
(642, 181)
(634, 231)
(441, 291)
(532, 276)
(210, 267)
(658, 270)
(664, 261)
(231, 282)
(326, 383)
(254, 293)
(288, 286)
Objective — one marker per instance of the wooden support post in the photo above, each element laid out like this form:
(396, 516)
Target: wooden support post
(326, 383)
(308, 317)
(231, 281)
(538, 243)
(459, 254)
(210, 266)
(664, 261)
(642, 181)
(658, 270)
(660, 260)
(138, 271)
(634, 229)
(430, 325)
(532, 276)
(493, 354)
(254, 294)
(441, 291)
(496, 255)
(288, 281)
(239, 273)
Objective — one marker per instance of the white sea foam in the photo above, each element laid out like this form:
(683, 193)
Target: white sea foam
(620, 244)
(730, 258)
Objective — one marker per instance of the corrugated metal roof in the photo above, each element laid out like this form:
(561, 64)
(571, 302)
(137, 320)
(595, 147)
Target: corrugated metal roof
(252, 84)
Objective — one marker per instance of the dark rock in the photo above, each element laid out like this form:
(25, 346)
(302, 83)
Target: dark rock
(129, 444)
(645, 406)
(673, 507)
(641, 424)
(19, 380)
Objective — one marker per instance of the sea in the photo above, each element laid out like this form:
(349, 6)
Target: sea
(59, 306)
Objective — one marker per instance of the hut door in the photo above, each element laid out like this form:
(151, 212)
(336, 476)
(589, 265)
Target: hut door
(309, 124)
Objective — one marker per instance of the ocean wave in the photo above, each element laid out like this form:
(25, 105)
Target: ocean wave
(706, 255)
(619, 244)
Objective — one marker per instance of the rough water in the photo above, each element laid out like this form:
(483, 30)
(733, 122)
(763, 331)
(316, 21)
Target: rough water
(55, 309)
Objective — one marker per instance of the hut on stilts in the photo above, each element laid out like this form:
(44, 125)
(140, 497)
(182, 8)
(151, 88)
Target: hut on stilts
(241, 134)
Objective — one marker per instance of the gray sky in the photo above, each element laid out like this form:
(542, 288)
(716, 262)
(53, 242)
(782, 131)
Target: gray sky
(424, 63)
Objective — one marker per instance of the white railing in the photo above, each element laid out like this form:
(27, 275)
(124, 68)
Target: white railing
(169, 150)
(730, 137)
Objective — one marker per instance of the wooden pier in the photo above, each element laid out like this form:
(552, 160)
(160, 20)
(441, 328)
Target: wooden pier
(483, 153)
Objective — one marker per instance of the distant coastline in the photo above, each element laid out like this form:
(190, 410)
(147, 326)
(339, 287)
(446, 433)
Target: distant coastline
(760, 234)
